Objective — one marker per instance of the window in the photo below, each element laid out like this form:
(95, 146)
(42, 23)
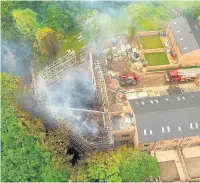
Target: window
(175, 141)
(125, 135)
(144, 150)
(184, 145)
(195, 144)
(160, 143)
(188, 140)
(168, 148)
(125, 142)
(146, 145)
(158, 149)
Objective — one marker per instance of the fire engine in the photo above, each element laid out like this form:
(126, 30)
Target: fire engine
(129, 79)
(181, 75)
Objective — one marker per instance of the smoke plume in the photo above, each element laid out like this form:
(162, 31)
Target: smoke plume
(74, 90)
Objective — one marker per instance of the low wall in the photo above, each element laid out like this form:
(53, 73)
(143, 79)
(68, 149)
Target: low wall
(183, 164)
(149, 33)
(138, 42)
(157, 50)
(190, 65)
(163, 67)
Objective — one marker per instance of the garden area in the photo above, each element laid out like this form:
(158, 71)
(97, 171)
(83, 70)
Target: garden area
(71, 42)
(151, 42)
(154, 59)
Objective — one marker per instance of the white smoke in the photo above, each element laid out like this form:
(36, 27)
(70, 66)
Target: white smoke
(14, 59)
(73, 91)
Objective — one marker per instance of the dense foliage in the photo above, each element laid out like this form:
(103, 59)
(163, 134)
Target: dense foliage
(48, 29)
(8, 30)
(26, 22)
(23, 157)
(121, 164)
(47, 41)
(57, 19)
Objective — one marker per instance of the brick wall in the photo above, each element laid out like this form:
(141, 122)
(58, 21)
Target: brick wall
(163, 67)
(124, 135)
(191, 59)
(171, 144)
(157, 50)
(149, 33)
(190, 141)
(173, 43)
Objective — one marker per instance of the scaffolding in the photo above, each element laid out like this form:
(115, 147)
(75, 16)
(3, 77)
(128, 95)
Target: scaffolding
(52, 76)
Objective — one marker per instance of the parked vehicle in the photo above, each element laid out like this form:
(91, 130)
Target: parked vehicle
(181, 75)
(129, 79)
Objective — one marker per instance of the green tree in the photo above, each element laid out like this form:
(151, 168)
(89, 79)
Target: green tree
(23, 157)
(34, 126)
(57, 19)
(139, 167)
(8, 30)
(94, 24)
(47, 41)
(121, 164)
(79, 172)
(26, 22)
(58, 141)
(51, 173)
(83, 17)
(191, 10)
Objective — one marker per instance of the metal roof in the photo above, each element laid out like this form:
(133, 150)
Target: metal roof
(186, 33)
(167, 117)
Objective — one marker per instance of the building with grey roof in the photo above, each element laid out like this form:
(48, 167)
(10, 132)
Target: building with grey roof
(184, 39)
(169, 117)
(186, 33)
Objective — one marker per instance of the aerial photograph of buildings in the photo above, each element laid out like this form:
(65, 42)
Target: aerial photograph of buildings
(100, 91)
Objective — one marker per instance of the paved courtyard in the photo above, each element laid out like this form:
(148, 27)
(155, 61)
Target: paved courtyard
(169, 171)
(192, 161)
(193, 167)
(170, 156)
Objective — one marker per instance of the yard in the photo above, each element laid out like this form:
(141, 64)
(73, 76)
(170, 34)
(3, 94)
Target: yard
(151, 42)
(169, 172)
(154, 59)
(71, 42)
(193, 167)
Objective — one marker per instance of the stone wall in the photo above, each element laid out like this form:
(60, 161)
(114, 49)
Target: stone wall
(149, 33)
(163, 67)
(157, 50)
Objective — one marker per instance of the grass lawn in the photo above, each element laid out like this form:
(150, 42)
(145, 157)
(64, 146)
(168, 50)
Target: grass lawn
(70, 42)
(151, 42)
(154, 59)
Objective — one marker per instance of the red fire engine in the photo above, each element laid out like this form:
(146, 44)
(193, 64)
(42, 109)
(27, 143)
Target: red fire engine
(181, 75)
(129, 79)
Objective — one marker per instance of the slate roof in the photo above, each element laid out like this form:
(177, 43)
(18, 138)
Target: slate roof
(167, 117)
(186, 33)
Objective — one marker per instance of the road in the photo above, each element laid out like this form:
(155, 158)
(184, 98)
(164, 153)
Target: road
(152, 80)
